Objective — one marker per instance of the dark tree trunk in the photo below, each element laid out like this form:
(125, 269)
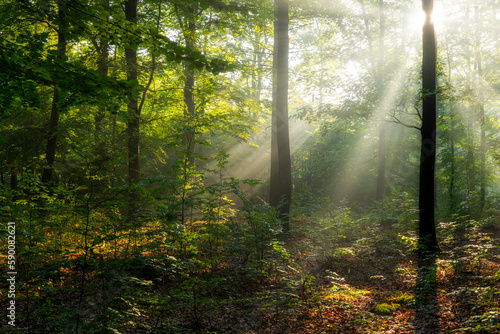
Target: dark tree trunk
(13, 181)
(283, 193)
(427, 228)
(50, 151)
(99, 140)
(102, 48)
(133, 125)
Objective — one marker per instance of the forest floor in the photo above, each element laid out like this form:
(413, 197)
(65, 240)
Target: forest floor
(363, 279)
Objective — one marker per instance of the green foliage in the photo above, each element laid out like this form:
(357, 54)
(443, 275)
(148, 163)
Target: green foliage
(404, 298)
(486, 322)
(385, 309)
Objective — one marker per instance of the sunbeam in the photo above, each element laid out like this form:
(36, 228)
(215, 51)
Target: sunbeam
(348, 182)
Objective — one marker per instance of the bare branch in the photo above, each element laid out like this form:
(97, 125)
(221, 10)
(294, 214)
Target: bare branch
(398, 121)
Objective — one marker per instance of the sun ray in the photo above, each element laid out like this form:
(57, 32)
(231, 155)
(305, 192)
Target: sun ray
(364, 148)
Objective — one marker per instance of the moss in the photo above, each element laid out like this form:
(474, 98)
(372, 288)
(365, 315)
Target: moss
(385, 309)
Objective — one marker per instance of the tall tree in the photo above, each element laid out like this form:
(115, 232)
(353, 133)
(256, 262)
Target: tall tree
(133, 125)
(281, 170)
(50, 151)
(380, 79)
(187, 16)
(482, 123)
(427, 228)
(101, 46)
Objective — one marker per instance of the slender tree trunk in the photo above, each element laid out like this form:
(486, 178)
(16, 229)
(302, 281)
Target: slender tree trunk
(50, 151)
(452, 162)
(281, 189)
(451, 189)
(256, 76)
(482, 123)
(102, 67)
(13, 180)
(469, 166)
(189, 82)
(133, 125)
(102, 48)
(381, 182)
(187, 22)
(482, 171)
(274, 191)
(427, 228)
(367, 32)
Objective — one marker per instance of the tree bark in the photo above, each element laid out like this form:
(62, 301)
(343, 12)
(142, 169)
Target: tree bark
(427, 228)
(103, 68)
(102, 48)
(50, 151)
(283, 195)
(133, 124)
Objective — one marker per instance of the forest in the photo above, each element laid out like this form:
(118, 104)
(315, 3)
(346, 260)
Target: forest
(250, 166)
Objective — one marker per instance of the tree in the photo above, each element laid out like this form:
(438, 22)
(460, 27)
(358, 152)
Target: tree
(50, 151)
(133, 124)
(187, 18)
(427, 228)
(482, 116)
(281, 169)
(101, 46)
(381, 182)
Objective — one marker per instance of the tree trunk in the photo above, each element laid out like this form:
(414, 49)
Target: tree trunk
(102, 48)
(382, 141)
(13, 181)
(133, 125)
(482, 123)
(470, 168)
(482, 152)
(274, 185)
(452, 162)
(283, 194)
(189, 112)
(99, 140)
(427, 228)
(50, 151)
(187, 23)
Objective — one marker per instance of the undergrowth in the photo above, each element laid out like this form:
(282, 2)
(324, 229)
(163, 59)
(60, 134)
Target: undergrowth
(83, 270)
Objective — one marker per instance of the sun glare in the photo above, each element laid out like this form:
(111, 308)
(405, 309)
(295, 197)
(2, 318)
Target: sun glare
(438, 17)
